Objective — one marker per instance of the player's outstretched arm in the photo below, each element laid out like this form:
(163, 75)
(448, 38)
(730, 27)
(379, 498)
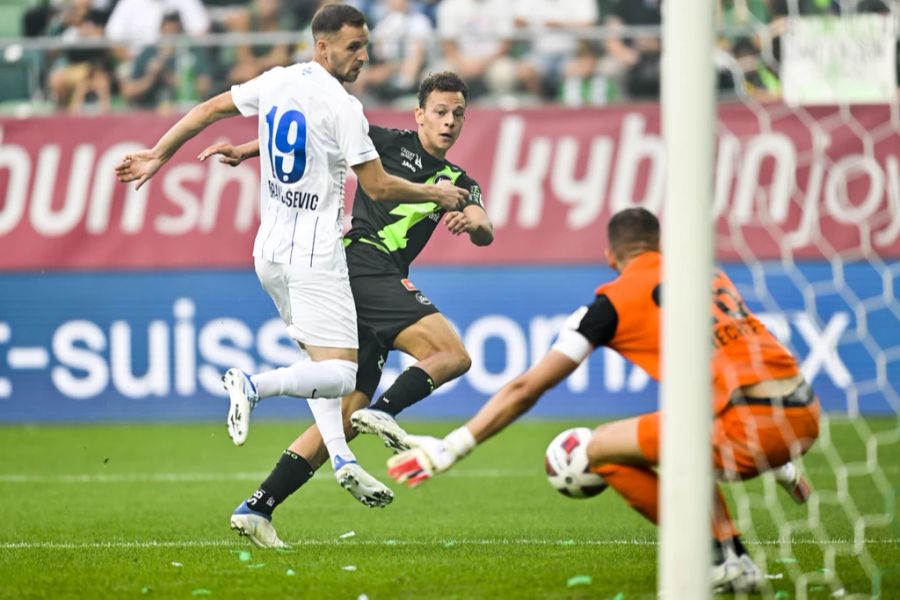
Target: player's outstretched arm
(520, 394)
(472, 220)
(142, 165)
(430, 456)
(230, 154)
(384, 187)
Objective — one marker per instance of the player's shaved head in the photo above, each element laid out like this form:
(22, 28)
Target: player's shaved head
(632, 231)
(329, 19)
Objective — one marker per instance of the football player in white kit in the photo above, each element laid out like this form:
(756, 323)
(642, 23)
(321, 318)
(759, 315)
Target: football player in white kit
(310, 131)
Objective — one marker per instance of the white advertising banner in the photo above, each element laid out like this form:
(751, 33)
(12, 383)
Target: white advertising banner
(848, 60)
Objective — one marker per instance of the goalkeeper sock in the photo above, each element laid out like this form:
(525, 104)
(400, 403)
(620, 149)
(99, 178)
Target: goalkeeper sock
(733, 543)
(413, 385)
(290, 472)
(738, 545)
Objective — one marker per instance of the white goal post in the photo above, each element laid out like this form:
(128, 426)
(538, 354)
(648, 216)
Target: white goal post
(810, 233)
(688, 114)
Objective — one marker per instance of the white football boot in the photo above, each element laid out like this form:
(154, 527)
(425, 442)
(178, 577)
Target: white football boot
(367, 420)
(243, 397)
(360, 484)
(725, 570)
(738, 574)
(750, 581)
(256, 526)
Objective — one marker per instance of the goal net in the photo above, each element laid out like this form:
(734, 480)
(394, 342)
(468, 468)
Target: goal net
(807, 204)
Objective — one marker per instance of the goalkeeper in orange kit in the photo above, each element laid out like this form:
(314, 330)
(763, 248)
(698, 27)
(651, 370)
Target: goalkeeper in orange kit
(764, 412)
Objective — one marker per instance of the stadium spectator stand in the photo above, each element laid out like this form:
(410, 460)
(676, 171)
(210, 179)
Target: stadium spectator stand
(512, 52)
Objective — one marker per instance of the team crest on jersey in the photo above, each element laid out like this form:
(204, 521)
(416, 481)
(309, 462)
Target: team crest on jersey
(442, 177)
(409, 285)
(423, 299)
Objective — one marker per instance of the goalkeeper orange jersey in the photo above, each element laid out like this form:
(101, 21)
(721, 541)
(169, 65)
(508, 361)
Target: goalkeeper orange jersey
(744, 351)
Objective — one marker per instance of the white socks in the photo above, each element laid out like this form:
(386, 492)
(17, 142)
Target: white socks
(322, 383)
(327, 413)
(308, 379)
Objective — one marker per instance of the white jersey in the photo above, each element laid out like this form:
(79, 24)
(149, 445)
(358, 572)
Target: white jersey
(310, 131)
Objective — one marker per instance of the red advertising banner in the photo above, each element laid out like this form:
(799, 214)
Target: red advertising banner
(805, 183)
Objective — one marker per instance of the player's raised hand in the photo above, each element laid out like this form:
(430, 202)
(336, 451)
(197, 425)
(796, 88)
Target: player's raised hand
(411, 467)
(457, 222)
(427, 457)
(448, 196)
(138, 166)
(230, 154)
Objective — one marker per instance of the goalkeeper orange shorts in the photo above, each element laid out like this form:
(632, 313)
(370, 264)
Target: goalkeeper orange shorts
(751, 435)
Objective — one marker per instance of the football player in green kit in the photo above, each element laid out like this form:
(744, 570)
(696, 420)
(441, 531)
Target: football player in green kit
(384, 238)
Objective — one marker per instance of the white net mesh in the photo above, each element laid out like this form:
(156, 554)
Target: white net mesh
(812, 221)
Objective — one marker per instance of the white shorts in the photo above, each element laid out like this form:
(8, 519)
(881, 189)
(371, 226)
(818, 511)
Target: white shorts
(317, 306)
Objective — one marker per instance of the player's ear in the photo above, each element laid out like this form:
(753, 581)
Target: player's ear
(611, 259)
(420, 116)
(321, 45)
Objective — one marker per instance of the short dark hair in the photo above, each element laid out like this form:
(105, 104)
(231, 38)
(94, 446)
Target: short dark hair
(445, 81)
(332, 17)
(632, 231)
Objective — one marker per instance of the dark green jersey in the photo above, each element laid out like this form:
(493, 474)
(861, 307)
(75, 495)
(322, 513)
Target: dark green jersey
(402, 230)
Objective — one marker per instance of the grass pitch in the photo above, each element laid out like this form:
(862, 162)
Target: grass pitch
(142, 511)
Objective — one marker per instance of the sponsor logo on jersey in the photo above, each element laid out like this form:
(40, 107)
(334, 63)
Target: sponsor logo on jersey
(475, 195)
(409, 285)
(412, 157)
(423, 299)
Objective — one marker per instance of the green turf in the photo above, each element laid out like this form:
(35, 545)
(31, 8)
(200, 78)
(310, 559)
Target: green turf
(142, 510)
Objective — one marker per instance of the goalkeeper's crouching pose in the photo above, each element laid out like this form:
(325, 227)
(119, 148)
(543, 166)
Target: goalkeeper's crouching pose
(765, 413)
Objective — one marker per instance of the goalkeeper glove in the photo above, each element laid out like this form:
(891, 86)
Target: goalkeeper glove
(429, 456)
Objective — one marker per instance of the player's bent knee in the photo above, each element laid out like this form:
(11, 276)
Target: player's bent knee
(343, 378)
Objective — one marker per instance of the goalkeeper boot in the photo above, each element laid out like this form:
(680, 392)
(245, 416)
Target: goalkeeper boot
(725, 569)
(243, 397)
(367, 420)
(793, 482)
(750, 580)
(360, 484)
(256, 526)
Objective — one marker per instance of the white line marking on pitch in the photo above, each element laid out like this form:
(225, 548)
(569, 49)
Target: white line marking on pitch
(258, 475)
(211, 477)
(390, 542)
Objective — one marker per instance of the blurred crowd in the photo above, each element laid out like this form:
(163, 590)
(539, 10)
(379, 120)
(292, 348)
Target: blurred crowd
(576, 52)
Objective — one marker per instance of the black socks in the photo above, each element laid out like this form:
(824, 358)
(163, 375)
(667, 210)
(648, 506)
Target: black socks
(734, 543)
(413, 385)
(290, 472)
